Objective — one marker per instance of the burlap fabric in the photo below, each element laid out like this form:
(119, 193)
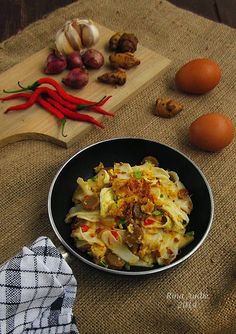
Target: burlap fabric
(157, 303)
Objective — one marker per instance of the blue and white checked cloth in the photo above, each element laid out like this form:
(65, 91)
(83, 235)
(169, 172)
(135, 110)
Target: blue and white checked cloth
(37, 292)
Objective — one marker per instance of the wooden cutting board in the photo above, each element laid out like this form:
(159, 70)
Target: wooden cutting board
(36, 123)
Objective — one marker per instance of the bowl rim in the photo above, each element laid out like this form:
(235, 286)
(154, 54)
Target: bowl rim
(120, 272)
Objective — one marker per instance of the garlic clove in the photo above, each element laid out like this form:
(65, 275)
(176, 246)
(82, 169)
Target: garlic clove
(89, 35)
(73, 36)
(58, 42)
(86, 36)
(62, 44)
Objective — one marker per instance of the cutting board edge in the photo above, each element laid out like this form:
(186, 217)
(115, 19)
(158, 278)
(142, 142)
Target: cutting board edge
(31, 136)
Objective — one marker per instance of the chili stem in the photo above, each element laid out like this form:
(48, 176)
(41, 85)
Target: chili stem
(63, 123)
(83, 106)
(32, 87)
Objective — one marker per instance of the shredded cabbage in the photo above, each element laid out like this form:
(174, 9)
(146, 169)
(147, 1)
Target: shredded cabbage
(119, 248)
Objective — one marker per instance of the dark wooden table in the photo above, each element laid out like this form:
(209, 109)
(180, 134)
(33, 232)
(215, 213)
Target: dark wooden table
(17, 14)
(223, 11)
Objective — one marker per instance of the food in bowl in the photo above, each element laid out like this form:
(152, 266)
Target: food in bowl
(127, 215)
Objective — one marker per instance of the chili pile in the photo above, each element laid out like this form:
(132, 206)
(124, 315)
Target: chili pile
(66, 96)
(56, 101)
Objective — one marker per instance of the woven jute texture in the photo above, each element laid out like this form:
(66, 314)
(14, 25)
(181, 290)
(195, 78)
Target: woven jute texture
(164, 303)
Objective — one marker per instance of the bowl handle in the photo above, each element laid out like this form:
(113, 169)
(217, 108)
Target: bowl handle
(68, 257)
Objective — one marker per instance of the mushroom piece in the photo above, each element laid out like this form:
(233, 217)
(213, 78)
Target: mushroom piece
(90, 202)
(114, 261)
(114, 41)
(127, 43)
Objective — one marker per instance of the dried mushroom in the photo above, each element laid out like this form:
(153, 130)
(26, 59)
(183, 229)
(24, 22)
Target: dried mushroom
(123, 42)
(167, 108)
(123, 60)
(114, 41)
(117, 77)
(128, 43)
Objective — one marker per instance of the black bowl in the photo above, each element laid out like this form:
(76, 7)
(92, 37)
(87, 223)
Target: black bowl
(131, 150)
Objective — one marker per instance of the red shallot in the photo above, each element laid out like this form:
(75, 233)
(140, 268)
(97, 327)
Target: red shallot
(76, 78)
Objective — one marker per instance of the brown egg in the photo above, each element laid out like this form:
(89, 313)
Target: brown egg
(198, 76)
(211, 132)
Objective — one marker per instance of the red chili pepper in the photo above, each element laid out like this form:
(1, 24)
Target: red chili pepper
(44, 104)
(53, 111)
(16, 96)
(115, 234)
(71, 98)
(148, 221)
(74, 115)
(32, 99)
(95, 104)
(60, 91)
(53, 107)
(40, 100)
(103, 101)
(85, 228)
(73, 106)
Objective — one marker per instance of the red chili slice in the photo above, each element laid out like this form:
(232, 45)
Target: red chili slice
(85, 228)
(115, 234)
(148, 221)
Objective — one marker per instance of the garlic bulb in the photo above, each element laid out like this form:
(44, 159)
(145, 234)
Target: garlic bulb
(77, 34)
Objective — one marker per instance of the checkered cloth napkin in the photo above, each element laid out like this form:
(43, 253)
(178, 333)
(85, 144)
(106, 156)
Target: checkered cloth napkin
(37, 291)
